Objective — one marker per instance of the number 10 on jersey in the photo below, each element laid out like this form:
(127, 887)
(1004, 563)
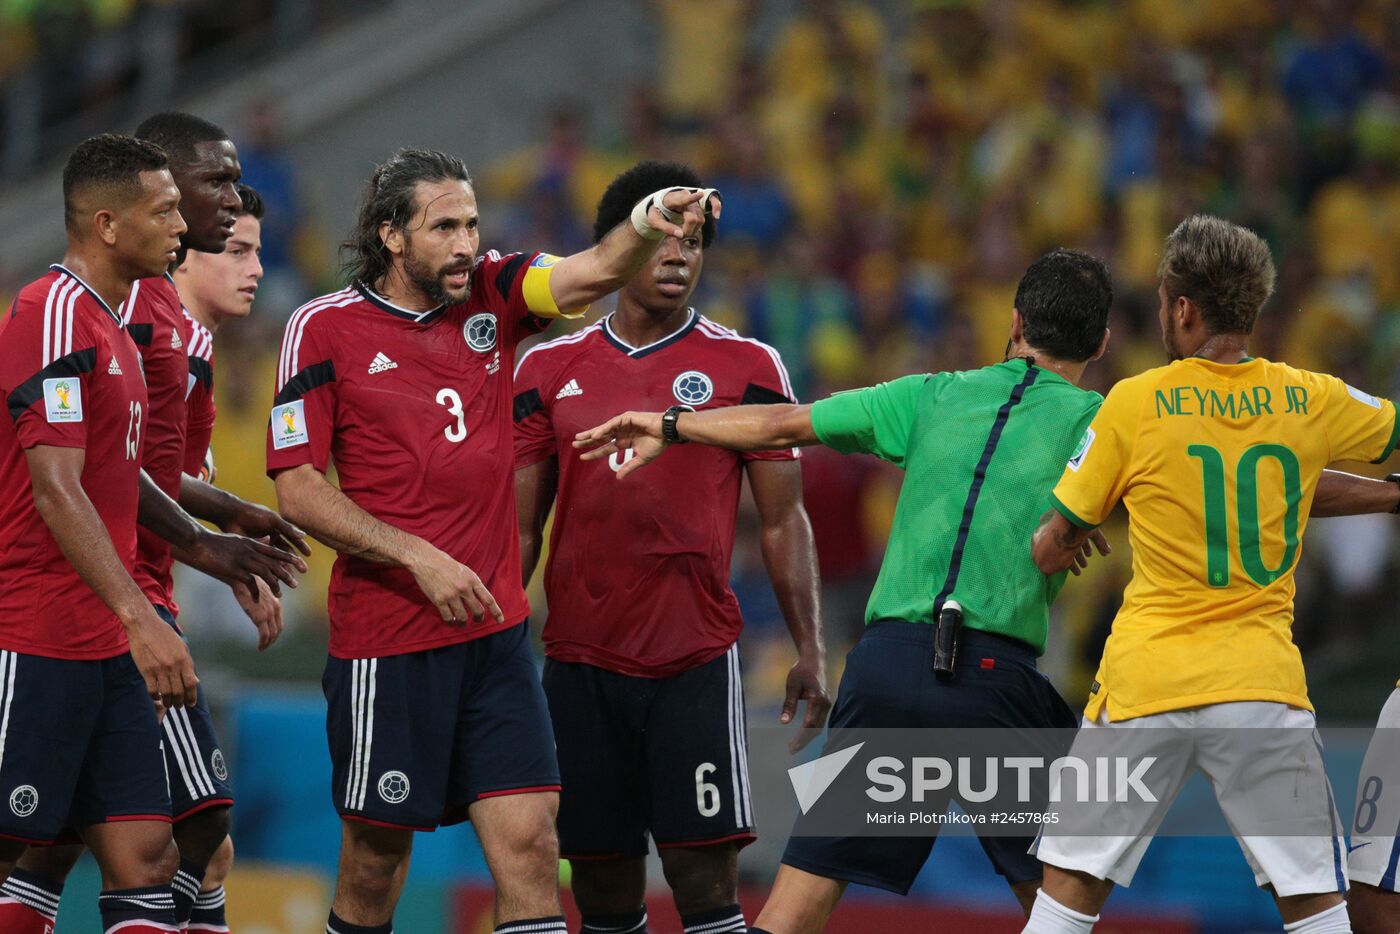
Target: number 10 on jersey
(1247, 511)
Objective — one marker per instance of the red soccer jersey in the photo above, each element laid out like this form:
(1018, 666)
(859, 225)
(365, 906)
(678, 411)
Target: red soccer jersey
(71, 378)
(153, 316)
(414, 409)
(638, 575)
(199, 399)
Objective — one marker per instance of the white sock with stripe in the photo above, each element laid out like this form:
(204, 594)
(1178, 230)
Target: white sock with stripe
(554, 925)
(1334, 920)
(724, 920)
(1050, 917)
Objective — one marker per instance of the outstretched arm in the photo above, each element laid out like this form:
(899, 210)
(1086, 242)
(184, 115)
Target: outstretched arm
(1345, 494)
(738, 427)
(608, 265)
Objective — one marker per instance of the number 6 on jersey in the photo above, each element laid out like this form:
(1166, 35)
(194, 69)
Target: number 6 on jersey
(449, 398)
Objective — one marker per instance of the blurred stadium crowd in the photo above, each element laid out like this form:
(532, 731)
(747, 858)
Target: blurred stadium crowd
(885, 184)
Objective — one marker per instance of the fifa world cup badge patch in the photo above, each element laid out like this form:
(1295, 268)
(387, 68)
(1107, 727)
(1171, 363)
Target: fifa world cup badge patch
(1363, 397)
(1081, 452)
(63, 399)
(289, 425)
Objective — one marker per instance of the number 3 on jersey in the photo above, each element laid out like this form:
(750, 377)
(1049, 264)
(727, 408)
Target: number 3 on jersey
(449, 398)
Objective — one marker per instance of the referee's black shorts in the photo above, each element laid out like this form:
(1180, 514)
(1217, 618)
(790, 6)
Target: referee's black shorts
(889, 684)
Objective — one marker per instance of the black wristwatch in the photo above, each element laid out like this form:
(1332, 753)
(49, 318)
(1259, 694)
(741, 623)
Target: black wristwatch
(669, 434)
(1395, 479)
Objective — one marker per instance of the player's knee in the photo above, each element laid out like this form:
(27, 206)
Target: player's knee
(370, 856)
(536, 850)
(219, 865)
(10, 852)
(155, 864)
(702, 878)
(200, 835)
(609, 886)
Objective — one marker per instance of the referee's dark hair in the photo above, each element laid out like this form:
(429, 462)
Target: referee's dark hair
(107, 166)
(635, 184)
(252, 202)
(178, 133)
(1064, 299)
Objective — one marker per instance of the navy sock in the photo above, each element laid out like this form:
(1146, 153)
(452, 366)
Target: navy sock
(724, 920)
(208, 913)
(154, 904)
(335, 925)
(633, 923)
(185, 885)
(33, 891)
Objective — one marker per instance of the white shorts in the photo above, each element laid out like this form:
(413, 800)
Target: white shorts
(1282, 752)
(1375, 829)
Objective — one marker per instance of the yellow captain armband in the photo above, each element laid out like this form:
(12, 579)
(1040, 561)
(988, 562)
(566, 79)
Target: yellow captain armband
(535, 289)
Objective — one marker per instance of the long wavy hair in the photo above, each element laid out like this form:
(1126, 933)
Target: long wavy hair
(390, 197)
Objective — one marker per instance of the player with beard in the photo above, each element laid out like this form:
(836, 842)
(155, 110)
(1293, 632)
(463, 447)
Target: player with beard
(642, 670)
(403, 380)
(204, 164)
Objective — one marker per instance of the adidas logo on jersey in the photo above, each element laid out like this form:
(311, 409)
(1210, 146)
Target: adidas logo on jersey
(175, 342)
(113, 369)
(571, 388)
(382, 363)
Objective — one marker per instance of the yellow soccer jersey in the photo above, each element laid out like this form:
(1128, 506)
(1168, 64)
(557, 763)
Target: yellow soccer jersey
(1217, 465)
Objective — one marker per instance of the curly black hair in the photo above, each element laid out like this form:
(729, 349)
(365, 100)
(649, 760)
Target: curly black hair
(635, 184)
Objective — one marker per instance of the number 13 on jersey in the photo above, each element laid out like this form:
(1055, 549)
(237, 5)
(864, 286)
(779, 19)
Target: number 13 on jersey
(453, 401)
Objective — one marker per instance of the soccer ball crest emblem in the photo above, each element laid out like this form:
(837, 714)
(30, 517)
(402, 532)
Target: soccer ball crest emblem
(480, 331)
(693, 388)
(220, 767)
(24, 800)
(393, 787)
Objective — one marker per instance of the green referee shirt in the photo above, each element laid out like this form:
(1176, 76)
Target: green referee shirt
(981, 450)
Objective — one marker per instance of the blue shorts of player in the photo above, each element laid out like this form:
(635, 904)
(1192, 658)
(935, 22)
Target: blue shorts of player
(417, 738)
(889, 683)
(667, 756)
(196, 765)
(79, 744)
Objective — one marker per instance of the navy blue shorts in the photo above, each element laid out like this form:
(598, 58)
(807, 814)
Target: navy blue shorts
(665, 756)
(416, 739)
(79, 745)
(889, 683)
(196, 765)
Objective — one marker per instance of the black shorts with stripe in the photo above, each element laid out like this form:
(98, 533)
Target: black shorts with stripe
(79, 745)
(661, 756)
(889, 684)
(416, 739)
(194, 760)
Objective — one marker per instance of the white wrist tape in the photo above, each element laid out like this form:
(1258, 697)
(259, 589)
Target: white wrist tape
(657, 199)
